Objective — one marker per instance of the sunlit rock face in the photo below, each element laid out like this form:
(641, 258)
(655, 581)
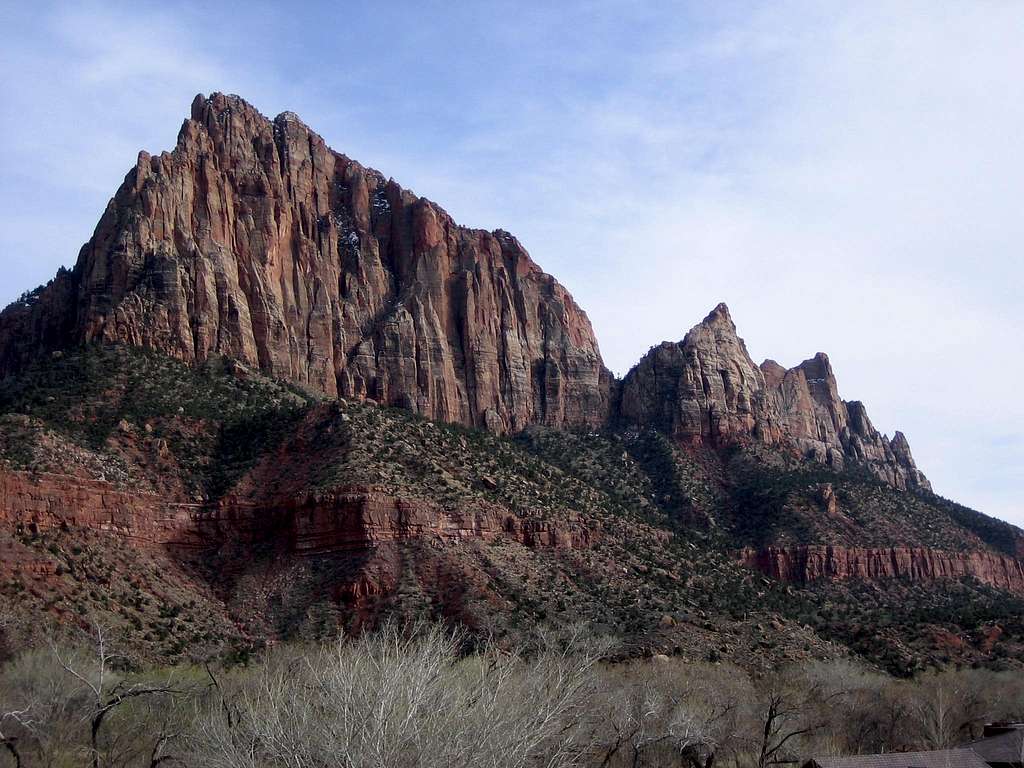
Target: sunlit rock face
(254, 240)
(705, 389)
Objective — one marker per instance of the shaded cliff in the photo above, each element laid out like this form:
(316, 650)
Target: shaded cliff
(804, 564)
(705, 389)
(254, 240)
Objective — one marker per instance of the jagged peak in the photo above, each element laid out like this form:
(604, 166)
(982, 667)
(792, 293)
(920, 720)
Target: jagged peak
(200, 216)
(817, 367)
(218, 103)
(720, 314)
(718, 323)
(899, 442)
(772, 371)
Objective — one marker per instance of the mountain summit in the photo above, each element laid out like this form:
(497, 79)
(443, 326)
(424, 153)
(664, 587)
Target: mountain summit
(706, 388)
(254, 240)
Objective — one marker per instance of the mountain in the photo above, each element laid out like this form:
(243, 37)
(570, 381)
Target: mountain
(253, 239)
(707, 389)
(278, 395)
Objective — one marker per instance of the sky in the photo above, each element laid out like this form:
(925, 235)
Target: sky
(847, 177)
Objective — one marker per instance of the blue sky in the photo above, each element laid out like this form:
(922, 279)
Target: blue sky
(848, 177)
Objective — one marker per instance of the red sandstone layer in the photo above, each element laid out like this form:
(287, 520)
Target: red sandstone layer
(348, 518)
(803, 564)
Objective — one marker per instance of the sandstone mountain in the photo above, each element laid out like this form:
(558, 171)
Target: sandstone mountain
(279, 395)
(706, 388)
(253, 239)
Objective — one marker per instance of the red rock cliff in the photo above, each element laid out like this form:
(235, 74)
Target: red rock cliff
(325, 521)
(706, 388)
(253, 239)
(802, 564)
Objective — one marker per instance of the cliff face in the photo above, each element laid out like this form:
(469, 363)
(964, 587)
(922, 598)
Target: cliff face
(254, 240)
(827, 428)
(706, 389)
(350, 518)
(803, 564)
(703, 388)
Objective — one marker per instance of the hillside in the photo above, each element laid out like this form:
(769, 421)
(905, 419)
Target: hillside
(278, 395)
(212, 507)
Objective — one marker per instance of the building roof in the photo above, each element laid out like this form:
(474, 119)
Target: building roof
(941, 758)
(1005, 747)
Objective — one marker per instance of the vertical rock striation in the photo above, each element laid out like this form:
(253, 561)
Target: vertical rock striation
(253, 239)
(803, 564)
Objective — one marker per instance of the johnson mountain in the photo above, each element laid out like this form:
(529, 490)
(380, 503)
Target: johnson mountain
(280, 395)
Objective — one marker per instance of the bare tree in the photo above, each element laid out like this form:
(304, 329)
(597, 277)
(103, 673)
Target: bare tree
(945, 706)
(669, 710)
(393, 700)
(108, 690)
(20, 719)
(784, 717)
(40, 710)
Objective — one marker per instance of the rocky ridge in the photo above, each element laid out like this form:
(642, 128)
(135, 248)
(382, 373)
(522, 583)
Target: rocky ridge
(706, 389)
(254, 240)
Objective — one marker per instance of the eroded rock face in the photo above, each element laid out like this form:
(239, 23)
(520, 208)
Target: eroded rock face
(345, 518)
(43, 501)
(832, 431)
(254, 240)
(706, 389)
(803, 564)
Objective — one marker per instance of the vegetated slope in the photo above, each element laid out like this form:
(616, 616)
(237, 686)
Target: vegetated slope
(742, 497)
(283, 515)
(776, 499)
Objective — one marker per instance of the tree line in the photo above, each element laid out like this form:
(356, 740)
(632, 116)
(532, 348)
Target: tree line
(429, 697)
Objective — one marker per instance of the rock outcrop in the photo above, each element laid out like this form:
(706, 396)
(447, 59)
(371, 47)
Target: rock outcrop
(805, 401)
(808, 563)
(347, 518)
(40, 501)
(705, 389)
(254, 240)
